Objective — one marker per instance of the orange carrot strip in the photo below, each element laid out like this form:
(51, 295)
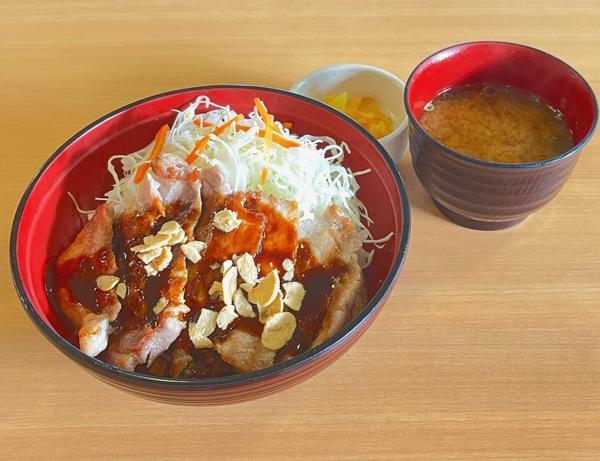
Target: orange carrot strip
(269, 132)
(159, 143)
(284, 142)
(221, 129)
(264, 114)
(262, 110)
(200, 145)
(277, 138)
(204, 123)
(198, 148)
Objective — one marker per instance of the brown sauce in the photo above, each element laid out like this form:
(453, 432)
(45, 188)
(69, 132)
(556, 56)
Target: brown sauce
(246, 238)
(52, 286)
(318, 283)
(76, 280)
(82, 285)
(280, 237)
(136, 308)
(207, 363)
(153, 289)
(252, 326)
(265, 233)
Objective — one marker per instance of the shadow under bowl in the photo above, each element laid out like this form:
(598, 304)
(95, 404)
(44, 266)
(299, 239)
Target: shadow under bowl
(485, 195)
(46, 222)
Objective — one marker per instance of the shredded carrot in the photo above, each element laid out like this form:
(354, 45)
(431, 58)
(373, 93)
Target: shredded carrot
(159, 143)
(264, 174)
(277, 138)
(201, 144)
(287, 125)
(221, 129)
(262, 110)
(264, 114)
(204, 123)
(269, 132)
(282, 141)
(198, 148)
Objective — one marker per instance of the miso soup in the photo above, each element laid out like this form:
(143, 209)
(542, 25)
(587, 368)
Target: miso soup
(497, 124)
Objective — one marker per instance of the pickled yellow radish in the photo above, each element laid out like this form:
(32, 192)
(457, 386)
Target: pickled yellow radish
(339, 102)
(363, 110)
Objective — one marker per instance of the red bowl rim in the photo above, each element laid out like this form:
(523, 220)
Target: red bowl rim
(576, 148)
(111, 371)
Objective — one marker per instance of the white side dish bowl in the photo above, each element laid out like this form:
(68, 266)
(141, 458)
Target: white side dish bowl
(363, 80)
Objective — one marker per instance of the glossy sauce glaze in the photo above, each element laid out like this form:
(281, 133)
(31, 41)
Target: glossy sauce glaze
(265, 233)
(76, 279)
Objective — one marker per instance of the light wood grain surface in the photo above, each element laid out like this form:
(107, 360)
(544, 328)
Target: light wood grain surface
(489, 347)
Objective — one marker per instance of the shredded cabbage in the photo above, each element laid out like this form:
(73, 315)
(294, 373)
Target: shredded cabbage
(311, 174)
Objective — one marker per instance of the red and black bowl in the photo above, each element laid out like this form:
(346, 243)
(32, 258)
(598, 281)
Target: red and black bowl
(486, 195)
(46, 222)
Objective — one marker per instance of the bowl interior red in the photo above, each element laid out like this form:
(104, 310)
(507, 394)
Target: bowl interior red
(49, 221)
(506, 64)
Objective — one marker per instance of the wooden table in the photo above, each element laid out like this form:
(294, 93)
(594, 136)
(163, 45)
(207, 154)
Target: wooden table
(489, 346)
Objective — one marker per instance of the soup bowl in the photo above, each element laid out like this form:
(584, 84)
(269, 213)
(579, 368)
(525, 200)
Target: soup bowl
(46, 222)
(485, 195)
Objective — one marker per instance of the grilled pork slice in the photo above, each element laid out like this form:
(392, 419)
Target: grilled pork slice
(142, 344)
(334, 240)
(213, 190)
(244, 352)
(93, 246)
(95, 236)
(171, 321)
(178, 181)
(93, 334)
(332, 237)
(181, 359)
(135, 347)
(268, 229)
(347, 298)
(174, 189)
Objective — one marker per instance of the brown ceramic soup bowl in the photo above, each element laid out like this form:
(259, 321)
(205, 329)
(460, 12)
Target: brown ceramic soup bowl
(481, 194)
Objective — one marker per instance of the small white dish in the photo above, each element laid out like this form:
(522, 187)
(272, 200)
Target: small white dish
(363, 80)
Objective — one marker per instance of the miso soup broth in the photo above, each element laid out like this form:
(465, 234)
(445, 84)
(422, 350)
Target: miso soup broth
(497, 123)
